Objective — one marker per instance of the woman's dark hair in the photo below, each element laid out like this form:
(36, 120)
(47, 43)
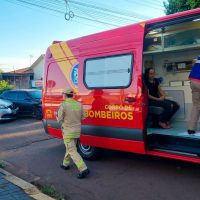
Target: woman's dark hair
(69, 95)
(146, 74)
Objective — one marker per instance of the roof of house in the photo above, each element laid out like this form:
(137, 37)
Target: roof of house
(22, 71)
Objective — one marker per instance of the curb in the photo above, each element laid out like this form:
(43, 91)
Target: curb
(28, 188)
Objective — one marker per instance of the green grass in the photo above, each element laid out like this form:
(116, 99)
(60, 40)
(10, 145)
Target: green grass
(50, 191)
(2, 165)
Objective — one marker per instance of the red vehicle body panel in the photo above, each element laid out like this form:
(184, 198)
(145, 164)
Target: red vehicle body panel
(98, 102)
(112, 121)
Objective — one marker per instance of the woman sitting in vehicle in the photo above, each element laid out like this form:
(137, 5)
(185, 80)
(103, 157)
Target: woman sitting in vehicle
(157, 98)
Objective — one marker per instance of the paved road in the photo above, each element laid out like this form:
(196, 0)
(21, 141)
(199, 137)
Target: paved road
(121, 176)
(22, 132)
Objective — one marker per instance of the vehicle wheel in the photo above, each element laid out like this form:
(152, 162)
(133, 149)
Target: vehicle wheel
(87, 152)
(38, 113)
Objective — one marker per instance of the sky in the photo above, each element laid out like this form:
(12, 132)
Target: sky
(28, 27)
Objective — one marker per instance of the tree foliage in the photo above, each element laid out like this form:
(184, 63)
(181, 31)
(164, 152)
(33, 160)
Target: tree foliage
(174, 6)
(5, 86)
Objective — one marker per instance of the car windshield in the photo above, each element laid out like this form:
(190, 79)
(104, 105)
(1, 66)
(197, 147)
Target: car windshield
(36, 94)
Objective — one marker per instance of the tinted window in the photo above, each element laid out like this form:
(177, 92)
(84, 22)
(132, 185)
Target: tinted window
(181, 38)
(109, 72)
(11, 95)
(58, 76)
(22, 96)
(3, 95)
(35, 94)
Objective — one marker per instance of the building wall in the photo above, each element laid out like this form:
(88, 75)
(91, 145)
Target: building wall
(38, 70)
(18, 81)
(22, 82)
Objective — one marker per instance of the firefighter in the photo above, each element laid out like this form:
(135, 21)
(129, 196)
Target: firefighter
(70, 114)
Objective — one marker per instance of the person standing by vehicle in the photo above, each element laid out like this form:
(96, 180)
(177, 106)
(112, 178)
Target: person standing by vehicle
(194, 78)
(157, 98)
(70, 114)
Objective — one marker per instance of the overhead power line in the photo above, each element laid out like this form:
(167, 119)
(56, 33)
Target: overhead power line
(125, 14)
(36, 8)
(102, 11)
(145, 3)
(107, 17)
(79, 10)
(99, 13)
(62, 12)
(57, 14)
(68, 13)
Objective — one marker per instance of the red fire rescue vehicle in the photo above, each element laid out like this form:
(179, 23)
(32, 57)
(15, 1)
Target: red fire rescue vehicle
(106, 72)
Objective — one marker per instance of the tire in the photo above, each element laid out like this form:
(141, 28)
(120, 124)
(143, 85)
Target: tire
(38, 113)
(87, 152)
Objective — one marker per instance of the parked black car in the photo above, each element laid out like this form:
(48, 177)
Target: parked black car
(28, 101)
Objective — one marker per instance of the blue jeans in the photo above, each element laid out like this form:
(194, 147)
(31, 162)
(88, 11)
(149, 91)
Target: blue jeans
(169, 107)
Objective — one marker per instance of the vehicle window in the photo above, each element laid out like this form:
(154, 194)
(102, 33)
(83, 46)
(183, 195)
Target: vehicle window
(108, 72)
(58, 76)
(181, 38)
(22, 96)
(4, 95)
(11, 95)
(35, 94)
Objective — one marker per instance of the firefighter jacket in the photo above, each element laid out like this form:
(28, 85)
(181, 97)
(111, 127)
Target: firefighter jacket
(69, 115)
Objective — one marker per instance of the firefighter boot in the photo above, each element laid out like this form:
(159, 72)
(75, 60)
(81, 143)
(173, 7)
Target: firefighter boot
(64, 167)
(83, 174)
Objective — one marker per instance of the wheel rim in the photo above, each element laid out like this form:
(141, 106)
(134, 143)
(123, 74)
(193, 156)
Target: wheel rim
(86, 149)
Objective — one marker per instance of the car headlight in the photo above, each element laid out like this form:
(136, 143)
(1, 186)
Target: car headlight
(3, 107)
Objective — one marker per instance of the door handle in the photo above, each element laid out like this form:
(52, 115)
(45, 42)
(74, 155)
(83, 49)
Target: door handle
(130, 99)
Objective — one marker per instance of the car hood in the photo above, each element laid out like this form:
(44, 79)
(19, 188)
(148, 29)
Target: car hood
(5, 102)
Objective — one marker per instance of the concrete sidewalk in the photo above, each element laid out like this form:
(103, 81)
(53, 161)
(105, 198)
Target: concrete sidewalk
(14, 188)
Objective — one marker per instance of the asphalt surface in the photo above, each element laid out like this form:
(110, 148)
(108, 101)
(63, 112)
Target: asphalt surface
(35, 157)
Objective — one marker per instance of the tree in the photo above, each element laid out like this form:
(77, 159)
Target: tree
(194, 3)
(174, 6)
(5, 86)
